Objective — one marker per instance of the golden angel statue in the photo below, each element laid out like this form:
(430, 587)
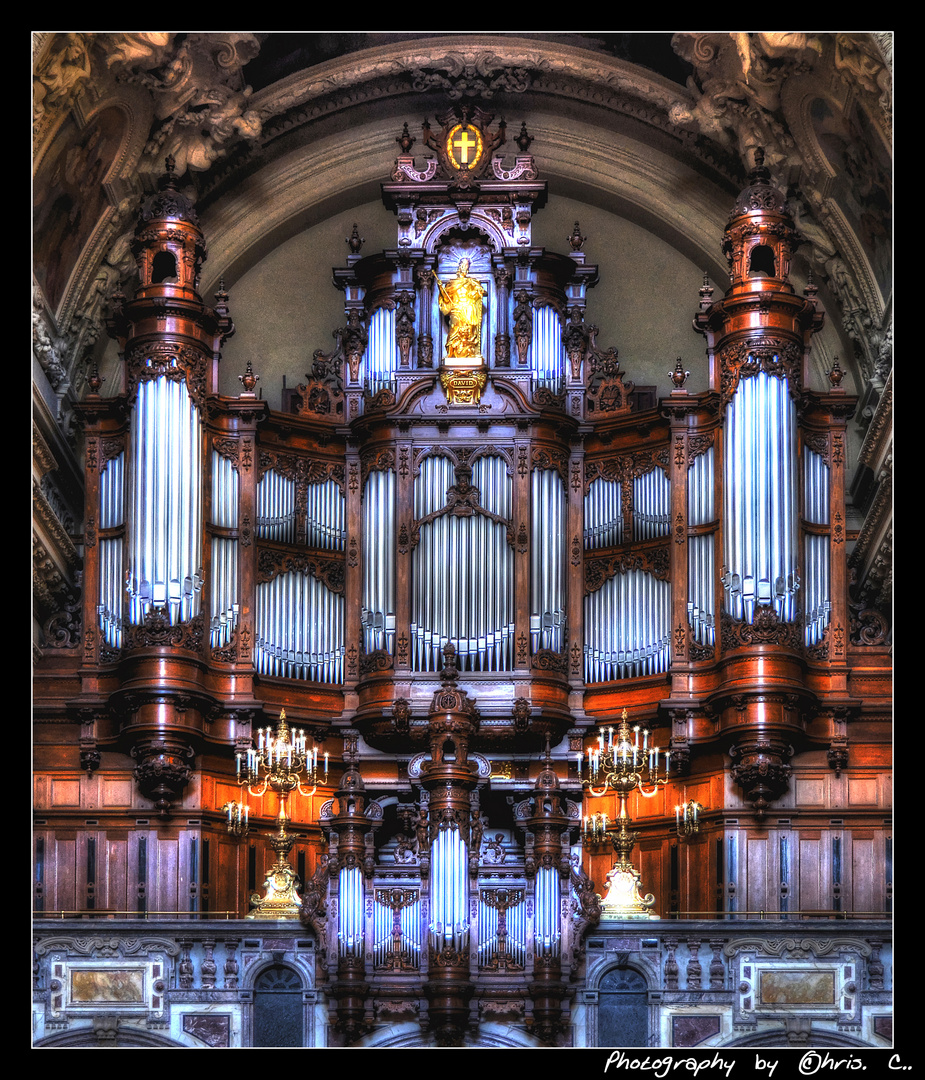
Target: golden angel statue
(461, 302)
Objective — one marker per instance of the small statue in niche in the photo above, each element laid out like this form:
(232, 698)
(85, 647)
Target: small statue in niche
(461, 302)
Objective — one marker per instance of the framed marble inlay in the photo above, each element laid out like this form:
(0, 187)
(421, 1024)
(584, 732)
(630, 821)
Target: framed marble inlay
(107, 986)
(819, 986)
(796, 987)
(125, 988)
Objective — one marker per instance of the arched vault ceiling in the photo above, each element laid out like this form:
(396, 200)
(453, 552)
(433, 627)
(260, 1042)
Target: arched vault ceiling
(620, 175)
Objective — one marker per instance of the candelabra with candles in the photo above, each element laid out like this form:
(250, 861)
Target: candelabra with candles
(281, 762)
(687, 818)
(622, 762)
(238, 817)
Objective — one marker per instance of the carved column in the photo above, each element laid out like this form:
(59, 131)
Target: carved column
(448, 778)
(548, 823)
(349, 827)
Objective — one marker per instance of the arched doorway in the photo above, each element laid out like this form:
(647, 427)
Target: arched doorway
(623, 1013)
(278, 1007)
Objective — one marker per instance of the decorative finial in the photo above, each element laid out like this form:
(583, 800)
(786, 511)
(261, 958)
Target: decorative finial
(576, 239)
(94, 379)
(169, 179)
(406, 140)
(523, 140)
(706, 293)
(354, 240)
(221, 298)
(450, 671)
(248, 380)
(679, 376)
(760, 174)
(836, 375)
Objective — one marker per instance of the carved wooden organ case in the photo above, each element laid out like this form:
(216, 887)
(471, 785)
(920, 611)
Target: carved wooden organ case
(456, 564)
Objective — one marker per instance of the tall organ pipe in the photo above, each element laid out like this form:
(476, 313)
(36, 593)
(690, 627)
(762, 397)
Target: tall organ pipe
(627, 627)
(112, 515)
(548, 610)
(818, 603)
(760, 499)
(350, 912)
(165, 528)
(449, 890)
(378, 614)
(300, 629)
(224, 574)
(462, 571)
(547, 355)
(381, 358)
(546, 925)
(700, 551)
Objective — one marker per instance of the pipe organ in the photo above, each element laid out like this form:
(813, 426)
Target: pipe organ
(446, 556)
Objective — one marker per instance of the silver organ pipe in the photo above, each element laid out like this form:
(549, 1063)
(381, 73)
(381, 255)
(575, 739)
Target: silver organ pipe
(300, 629)
(449, 883)
(701, 550)
(818, 601)
(381, 359)
(224, 567)
(627, 627)
(463, 571)
(379, 528)
(276, 508)
(515, 945)
(547, 355)
(760, 499)
(112, 515)
(350, 912)
(651, 505)
(547, 928)
(325, 520)
(165, 525)
(547, 570)
(384, 938)
(603, 515)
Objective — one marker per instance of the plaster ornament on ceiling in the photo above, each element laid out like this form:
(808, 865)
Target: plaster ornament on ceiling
(736, 90)
(201, 103)
(60, 74)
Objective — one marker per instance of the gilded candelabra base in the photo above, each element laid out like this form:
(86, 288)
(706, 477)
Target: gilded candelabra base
(282, 900)
(624, 899)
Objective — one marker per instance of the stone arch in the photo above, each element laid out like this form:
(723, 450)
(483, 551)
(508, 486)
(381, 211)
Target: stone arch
(101, 1036)
(786, 1037)
(279, 1002)
(620, 1007)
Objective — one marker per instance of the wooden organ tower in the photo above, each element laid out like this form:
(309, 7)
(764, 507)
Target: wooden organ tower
(453, 557)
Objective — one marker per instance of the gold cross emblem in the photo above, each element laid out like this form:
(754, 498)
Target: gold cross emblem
(464, 146)
(464, 143)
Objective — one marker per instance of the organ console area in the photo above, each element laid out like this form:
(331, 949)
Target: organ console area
(454, 557)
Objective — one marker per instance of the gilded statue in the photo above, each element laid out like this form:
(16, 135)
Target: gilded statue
(461, 302)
